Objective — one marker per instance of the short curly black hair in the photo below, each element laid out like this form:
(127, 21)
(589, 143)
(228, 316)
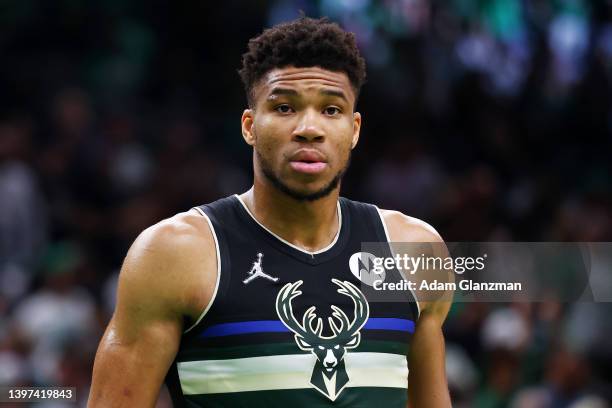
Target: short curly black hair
(304, 42)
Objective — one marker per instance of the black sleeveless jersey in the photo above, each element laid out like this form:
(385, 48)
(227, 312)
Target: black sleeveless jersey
(287, 327)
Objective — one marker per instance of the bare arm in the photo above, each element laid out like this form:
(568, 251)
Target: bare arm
(169, 273)
(427, 376)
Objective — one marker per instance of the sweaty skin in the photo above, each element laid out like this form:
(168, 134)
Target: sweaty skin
(169, 273)
(427, 376)
(302, 128)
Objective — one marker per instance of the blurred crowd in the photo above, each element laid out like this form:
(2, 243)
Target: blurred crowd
(489, 119)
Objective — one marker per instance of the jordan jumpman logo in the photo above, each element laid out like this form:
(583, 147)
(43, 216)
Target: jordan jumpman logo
(256, 271)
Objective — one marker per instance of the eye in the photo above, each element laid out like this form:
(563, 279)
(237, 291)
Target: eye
(337, 346)
(332, 111)
(284, 109)
(321, 347)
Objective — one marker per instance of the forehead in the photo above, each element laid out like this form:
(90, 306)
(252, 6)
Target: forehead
(304, 79)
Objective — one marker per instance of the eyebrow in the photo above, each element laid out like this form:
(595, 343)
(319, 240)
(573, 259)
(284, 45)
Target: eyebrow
(331, 92)
(282, 91)
(293, 92)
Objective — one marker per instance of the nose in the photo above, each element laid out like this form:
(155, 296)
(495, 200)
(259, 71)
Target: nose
(308, 129)
(330, 360)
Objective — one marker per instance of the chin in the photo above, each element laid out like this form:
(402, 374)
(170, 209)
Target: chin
(311, 188)
(310, 192)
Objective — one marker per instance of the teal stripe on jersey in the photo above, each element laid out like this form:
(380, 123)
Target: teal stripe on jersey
(366, 397)
(220, 353)
(287, 372)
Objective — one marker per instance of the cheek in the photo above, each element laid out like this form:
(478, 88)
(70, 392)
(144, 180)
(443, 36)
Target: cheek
(267, 144)
(267, 126)
(267, 131)
(347, 131)
(343, 149)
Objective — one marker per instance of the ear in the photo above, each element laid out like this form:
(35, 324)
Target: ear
(302, 343)
(354, 341)
(356, 128)
(247, 122)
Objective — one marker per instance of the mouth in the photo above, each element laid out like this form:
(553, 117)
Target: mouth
(308, 161)
(308, 167)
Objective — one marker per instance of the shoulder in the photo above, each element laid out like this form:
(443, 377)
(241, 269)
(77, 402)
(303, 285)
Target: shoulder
(181, 240)
(398, 226)
(185, 232)
(174, 262)
(403, 228)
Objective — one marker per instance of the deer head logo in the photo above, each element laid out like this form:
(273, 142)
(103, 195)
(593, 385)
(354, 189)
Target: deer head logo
(329, 374)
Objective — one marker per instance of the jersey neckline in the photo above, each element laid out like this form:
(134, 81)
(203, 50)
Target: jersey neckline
(311, 257)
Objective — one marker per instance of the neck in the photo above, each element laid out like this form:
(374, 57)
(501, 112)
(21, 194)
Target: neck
(310, 225)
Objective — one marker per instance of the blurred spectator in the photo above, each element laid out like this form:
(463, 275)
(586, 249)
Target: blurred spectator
(23, 221)
(59, 314)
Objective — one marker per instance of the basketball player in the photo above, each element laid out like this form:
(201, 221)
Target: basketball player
(250, 301)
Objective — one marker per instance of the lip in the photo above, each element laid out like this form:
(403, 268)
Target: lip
(308, 161)
(308, 155)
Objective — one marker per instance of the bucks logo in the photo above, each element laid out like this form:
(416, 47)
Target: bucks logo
(329, 374)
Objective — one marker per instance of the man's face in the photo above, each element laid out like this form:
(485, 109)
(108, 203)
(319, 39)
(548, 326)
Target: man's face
(302, 130)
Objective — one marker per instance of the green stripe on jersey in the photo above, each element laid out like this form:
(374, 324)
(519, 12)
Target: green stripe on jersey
(221, 353)
(279, 372)
(350, 398)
